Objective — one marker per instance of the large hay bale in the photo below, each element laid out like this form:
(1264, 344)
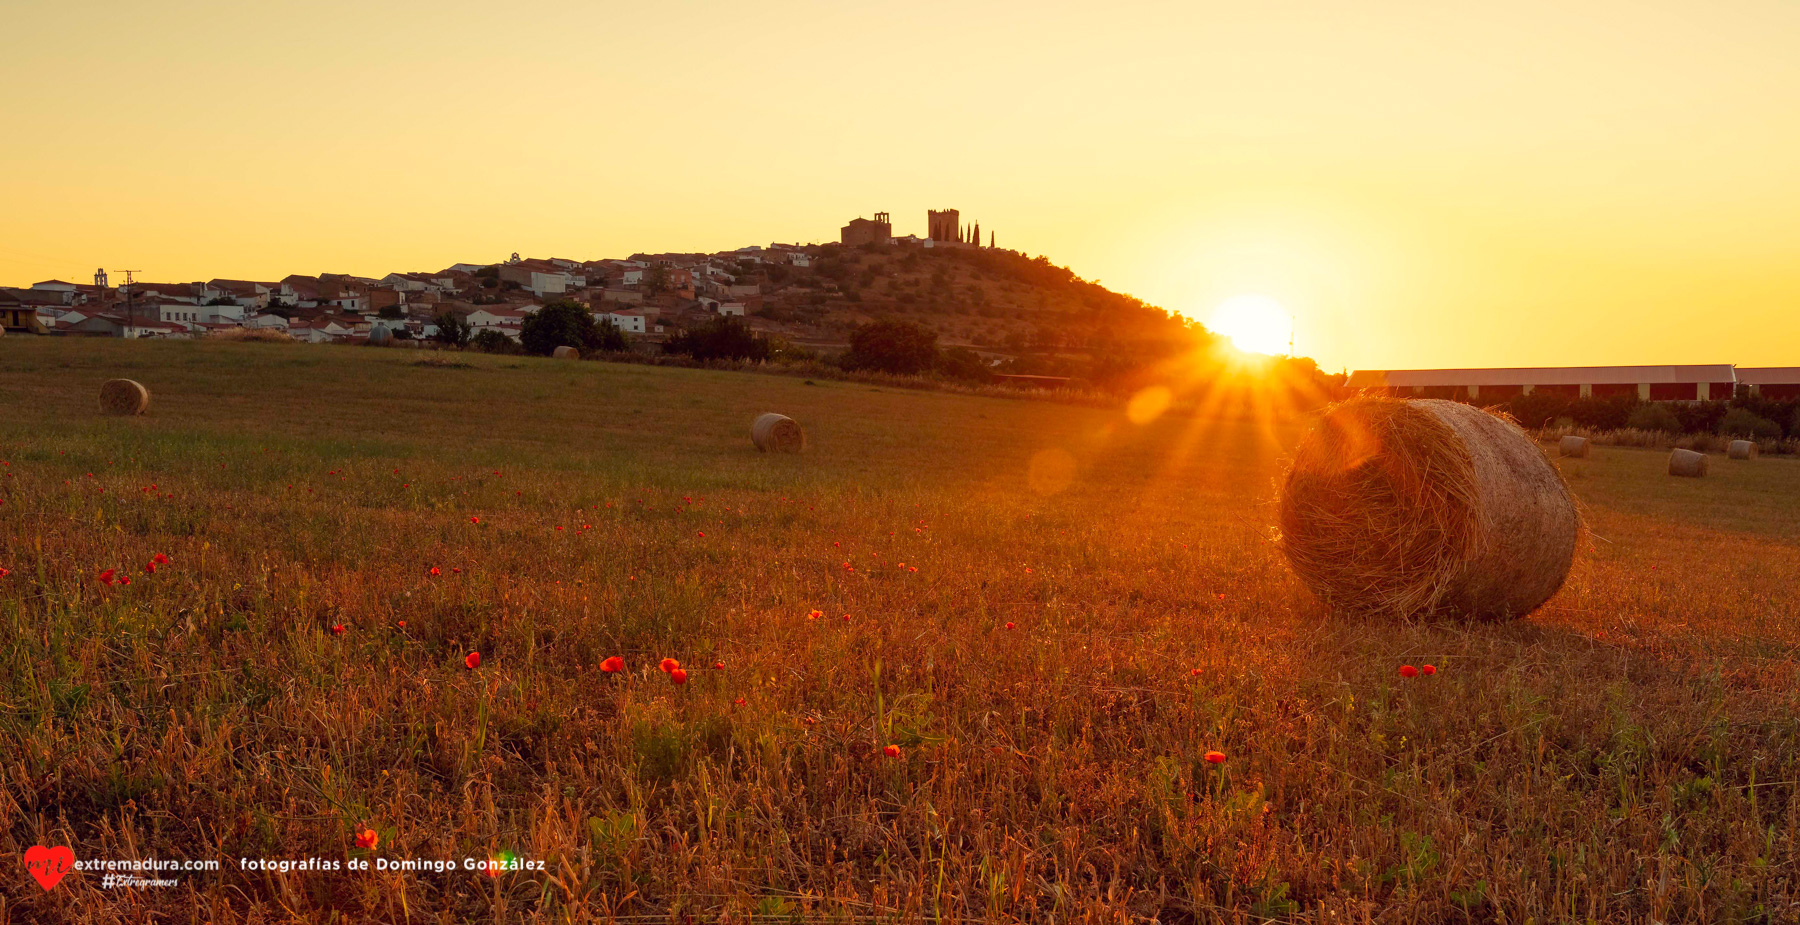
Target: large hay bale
(566, 353)
(1687, 464)
(777, 433)
(1572, 445)
(124, 396)
(380, 336)
(1742, 449)
(1426, 507)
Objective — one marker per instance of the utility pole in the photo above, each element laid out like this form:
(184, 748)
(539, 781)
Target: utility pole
(130, 303)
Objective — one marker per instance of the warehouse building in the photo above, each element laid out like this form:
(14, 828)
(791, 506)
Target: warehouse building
(1648, 383)
(1775, 382)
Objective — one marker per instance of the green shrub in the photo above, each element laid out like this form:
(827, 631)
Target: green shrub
(1740, 422)
(903, 347)
(723, 338)
(491, 341)
(1654, 416)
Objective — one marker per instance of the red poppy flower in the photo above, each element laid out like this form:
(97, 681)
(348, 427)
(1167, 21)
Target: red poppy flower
(4, 572)
(1215, 757)
(337, 629)
(368, 838)
(125, 580)
(668, 665)
(1428, 670)
(150, 568)
(718, 666)
(472, 661)
(892, 751)
(107, 576)
(1011, 625)
(814, 614)
(1195, 672)
(434, 570)
(1408, 671)
(159, 558)
(702, 533)
(613, 665)
(474, 520)
(738, 702)
(678, 676)
(403, 624)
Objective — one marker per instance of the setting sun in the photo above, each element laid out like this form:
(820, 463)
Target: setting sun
(1254, 323)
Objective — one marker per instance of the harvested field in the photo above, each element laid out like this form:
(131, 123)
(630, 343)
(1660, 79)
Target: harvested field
(1051, 659)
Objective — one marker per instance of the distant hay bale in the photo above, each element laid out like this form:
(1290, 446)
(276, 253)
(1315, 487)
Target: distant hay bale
(1687, 464)
(566, 353)
(777, 433)
(1426, 507)
(1572, 445)
(1742, 449)
(124, 396)
(380, 336)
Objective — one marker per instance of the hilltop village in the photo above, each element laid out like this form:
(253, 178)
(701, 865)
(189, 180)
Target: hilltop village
(811, 296)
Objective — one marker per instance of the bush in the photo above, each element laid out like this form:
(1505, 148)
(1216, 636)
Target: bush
(1538, 407)
(1654, 416)
(1603, 413)
(565, 323)
(1701, 417)
(965, 364)
(902, 347)
(452, 329)
(491, 341)
(1740, 422)
(723, 338)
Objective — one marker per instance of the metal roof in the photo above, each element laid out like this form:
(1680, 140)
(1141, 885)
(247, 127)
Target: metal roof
(1769, 375)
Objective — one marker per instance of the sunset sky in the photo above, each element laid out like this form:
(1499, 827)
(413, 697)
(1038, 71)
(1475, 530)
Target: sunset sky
(1422, 184)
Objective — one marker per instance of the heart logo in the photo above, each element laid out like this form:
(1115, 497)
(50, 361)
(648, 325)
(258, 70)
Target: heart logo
(49, 865)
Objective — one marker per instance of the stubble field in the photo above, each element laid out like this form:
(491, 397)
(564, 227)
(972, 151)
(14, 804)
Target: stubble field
(1054, 614)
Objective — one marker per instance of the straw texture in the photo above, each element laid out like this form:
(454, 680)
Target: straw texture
(1417, 508)
(124, 396)
(1687, 464)
(777, 433)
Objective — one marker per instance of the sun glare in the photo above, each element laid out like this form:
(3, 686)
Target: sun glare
(1254, 323)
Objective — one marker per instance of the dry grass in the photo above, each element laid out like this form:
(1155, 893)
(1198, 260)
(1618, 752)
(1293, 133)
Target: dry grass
(1627, 754)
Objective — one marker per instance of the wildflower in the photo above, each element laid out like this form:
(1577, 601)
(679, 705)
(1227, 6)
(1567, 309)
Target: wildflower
(912, 568)
(456, 571)
(1195, 672)
(472, 661)
(403, 624)
(1428, 670)
(668, 665)
(4, 572)
(337, 629)
(434, 571)
(1011, 625)
(1215, 757)
(702, 533)
(150, 567)
(677, 676)
(814, 614)
(892, 751)
(368, 838)
(738, 702)
(718, 666)
(474, 520)
(159, 558)
(613, 665)
(107, 576)
(1028, 571)
(125, 580)
(1408, 671)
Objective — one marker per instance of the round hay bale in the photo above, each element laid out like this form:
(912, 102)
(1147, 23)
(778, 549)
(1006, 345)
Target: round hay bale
(1687, 464)
(1742, 449)
(124, 396)
(566, 353)
(777, 433)
(1572, 445)
(1426, 507)
(380, 336)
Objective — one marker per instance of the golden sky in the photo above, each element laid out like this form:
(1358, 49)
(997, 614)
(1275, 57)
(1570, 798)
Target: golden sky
(1422, 184)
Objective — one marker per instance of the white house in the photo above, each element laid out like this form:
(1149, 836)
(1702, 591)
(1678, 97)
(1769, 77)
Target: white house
(730, 308)
(631, 321)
